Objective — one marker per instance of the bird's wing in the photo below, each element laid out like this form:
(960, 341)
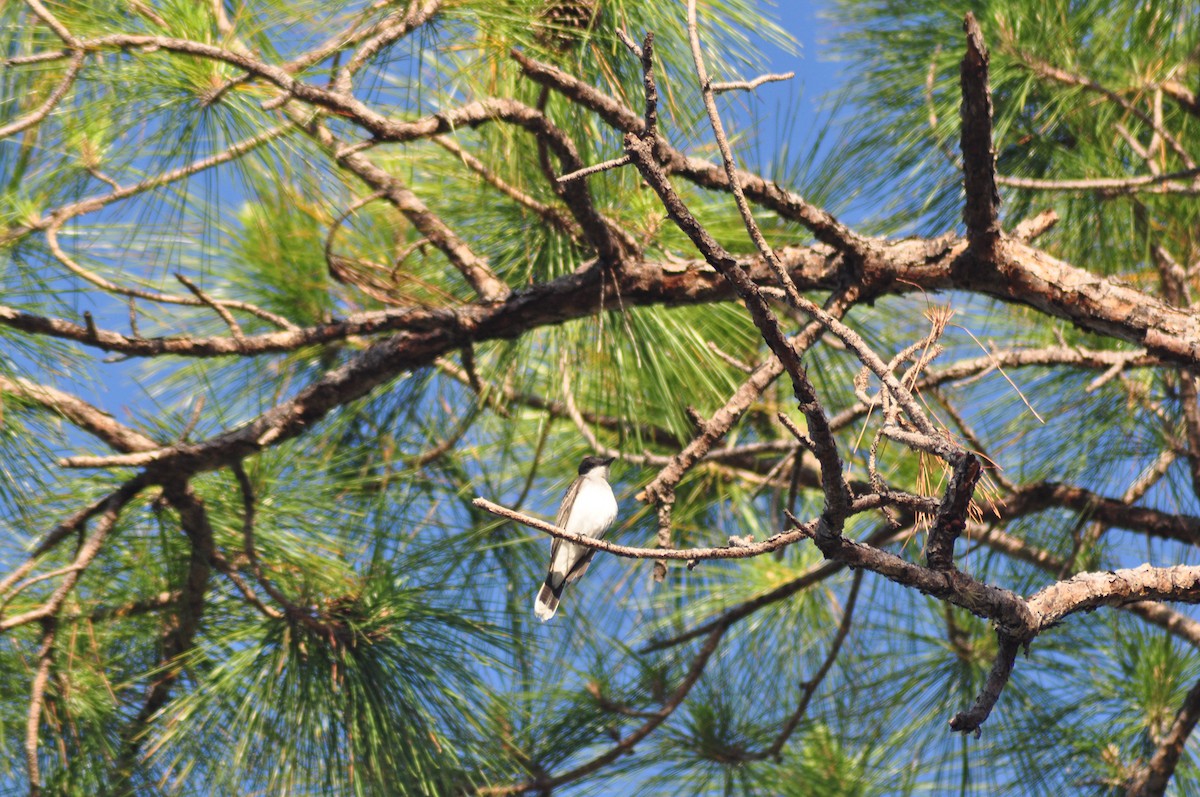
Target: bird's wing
(583, 562)
(564, 511)
(581, 566)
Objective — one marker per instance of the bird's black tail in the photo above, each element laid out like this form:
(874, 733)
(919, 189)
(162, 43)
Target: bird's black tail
(546, 603)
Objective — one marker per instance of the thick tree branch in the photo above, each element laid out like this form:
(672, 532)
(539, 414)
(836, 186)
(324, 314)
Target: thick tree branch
(80, 413)
(1171, 621)
(52, 22)
(1007, 609)
(1040, 496)
(1087, 591)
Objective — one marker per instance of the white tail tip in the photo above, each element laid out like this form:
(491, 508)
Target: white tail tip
(545, 604)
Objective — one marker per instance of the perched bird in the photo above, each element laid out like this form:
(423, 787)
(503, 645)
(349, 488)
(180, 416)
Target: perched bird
(588, 508)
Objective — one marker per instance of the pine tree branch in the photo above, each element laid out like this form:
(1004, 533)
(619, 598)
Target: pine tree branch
(627, 743)
(130, 609)
(109, 510)
(661, 490)
(50, 103)
(731, 551)
(645, 283)
(179, 626)
(1166, 618)
(548, 213)
(825, 447)
(396, 27)
(1067, 78)
(1087, 591)
(1169, 183)
(765, 192)
(80, 413)
(1182, 95)
(809, 687)
(970, 721)
(37, 698)
(1155, 776)
(981, 212)
(952, 514)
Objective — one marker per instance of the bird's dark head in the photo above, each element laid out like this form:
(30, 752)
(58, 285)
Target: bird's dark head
(591, 463)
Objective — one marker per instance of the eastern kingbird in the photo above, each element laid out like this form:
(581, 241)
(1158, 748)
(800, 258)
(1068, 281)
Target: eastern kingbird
(588, 508)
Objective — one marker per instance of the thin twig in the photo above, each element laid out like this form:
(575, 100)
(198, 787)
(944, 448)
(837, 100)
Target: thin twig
(1052, 72)
(632, 552)
(750, 85)
(595, 169)
(234, 327)
(627, 743)
(809, 687)
(1169, 183)
(847, 335)
(42, 111)
(109, 510)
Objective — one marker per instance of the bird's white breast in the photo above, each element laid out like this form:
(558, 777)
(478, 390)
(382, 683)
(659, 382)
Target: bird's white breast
(594, 509)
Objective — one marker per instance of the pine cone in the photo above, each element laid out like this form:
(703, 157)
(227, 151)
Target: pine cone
(562, 23)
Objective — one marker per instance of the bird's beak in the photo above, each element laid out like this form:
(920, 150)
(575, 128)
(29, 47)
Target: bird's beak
(609, 461)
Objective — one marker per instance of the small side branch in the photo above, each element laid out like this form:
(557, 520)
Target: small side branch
(42, 111)
(109, 511)
(970, 721)
(248, 546)
(981, 212)
(625, 745)
(750, 85)
(952, 515)
(234, 327)
(1033, 227)
(1185, 181)
(587, 171)
(646, 55)
(809, 687)
(1152, 780)
(37, 698)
